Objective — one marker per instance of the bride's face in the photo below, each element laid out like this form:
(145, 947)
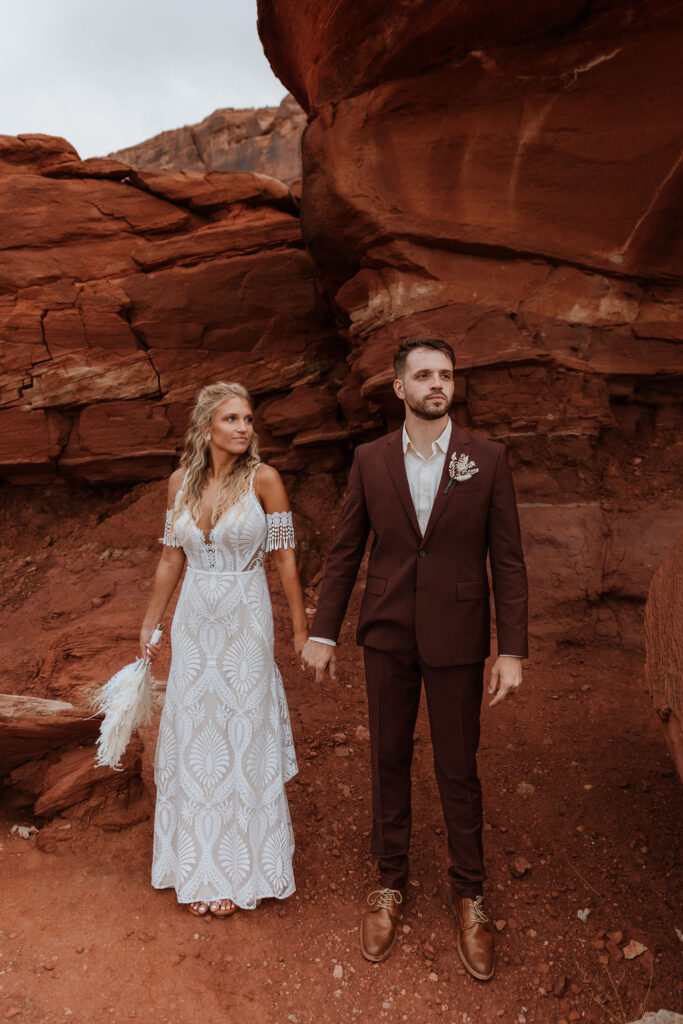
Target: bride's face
(233, 426)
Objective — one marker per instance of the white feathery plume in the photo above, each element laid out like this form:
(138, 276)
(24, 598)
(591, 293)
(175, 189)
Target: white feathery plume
(126, 701)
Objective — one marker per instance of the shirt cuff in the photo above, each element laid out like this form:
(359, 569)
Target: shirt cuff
(519, 656)
(323, 640)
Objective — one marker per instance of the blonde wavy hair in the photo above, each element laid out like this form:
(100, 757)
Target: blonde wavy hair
(197, 454)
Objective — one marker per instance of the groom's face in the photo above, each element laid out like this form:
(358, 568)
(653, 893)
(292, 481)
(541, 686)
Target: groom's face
(427, 383)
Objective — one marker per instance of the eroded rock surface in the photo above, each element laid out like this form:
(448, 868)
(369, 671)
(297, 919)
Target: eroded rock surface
(265, 140)
(47, 757)
(506, 180)
(122, 292)
(664, 665)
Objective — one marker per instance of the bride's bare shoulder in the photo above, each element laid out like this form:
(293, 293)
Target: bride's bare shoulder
(175, 482)
(267, 475)
(270, 489)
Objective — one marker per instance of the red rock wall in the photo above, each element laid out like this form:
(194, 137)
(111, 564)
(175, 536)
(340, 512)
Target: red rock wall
(122, 292)
(505, 179)
(265, 140)
(664, 665)
(508, 179)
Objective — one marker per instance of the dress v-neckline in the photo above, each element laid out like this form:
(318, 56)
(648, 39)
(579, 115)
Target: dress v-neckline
(209, 542)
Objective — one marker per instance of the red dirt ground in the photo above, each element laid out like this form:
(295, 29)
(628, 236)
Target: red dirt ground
(577, 781)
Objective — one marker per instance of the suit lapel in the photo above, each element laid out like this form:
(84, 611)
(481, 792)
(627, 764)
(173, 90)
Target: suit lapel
(459, 442)
(393, 455)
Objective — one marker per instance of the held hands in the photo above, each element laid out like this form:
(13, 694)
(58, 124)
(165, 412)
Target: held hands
(300, 641)
(319, 657)
(506, 678)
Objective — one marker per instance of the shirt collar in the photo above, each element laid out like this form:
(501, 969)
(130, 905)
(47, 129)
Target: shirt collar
(440, 445)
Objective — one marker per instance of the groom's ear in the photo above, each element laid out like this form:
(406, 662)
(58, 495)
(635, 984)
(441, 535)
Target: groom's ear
(398, 388)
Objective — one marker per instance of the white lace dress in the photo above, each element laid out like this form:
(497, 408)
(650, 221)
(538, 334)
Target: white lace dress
(222, 828)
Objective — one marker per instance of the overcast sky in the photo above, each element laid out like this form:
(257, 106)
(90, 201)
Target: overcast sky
(106, 75)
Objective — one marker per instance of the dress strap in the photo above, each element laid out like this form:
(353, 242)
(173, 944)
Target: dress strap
(253, 475)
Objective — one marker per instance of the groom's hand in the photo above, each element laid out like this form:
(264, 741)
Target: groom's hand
(319, 657)
(506, 678)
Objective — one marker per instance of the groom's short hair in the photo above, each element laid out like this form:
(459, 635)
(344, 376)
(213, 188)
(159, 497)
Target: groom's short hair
(406, 347)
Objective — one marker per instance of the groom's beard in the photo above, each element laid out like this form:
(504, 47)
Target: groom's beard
(429, 410)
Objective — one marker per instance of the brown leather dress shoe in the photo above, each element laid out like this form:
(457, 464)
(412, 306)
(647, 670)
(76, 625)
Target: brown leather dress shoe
(379, 927)
(475, 936)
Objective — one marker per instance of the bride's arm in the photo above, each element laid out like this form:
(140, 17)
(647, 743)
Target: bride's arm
(169, 571)
(271, 493)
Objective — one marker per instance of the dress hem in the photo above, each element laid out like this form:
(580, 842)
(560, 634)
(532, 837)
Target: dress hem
(200, 899)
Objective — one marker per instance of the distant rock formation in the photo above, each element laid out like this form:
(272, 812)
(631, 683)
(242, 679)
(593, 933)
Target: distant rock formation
(265, 140)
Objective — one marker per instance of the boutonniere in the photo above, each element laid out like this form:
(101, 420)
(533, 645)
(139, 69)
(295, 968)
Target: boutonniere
(460, 468)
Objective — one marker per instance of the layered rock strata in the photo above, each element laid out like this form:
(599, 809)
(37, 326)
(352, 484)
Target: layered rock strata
(664, 665)
(508, 180)
(519, 200)
(122, 292)
(265, 140)
(47, 756)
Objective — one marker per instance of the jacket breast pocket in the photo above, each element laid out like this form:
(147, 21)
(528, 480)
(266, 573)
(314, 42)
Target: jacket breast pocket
(375, 586)
(472, 590)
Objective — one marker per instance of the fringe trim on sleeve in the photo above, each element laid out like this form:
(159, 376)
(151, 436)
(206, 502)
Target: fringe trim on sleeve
(169, 538)
(280, 531)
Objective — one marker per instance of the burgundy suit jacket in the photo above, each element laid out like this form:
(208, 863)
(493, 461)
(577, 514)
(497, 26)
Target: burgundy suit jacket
(431, 591)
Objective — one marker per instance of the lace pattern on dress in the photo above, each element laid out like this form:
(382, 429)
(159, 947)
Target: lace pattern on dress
(280, 531)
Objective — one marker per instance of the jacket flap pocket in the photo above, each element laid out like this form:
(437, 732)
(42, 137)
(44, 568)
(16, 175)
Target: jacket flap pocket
(465, 487)
(473, 590)
(375, 586)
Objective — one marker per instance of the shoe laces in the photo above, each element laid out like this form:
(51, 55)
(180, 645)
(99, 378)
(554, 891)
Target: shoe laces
(385, 898)
(478, 911)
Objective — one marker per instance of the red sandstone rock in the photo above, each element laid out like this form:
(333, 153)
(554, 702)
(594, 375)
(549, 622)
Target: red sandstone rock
(637, 547)
(505, 180)
(303, 408)
(664, 664)
(450, 188)
(125, 291)
(35, 151)
(73, 778)
(31, 726)
(267, 141)
(564, 547)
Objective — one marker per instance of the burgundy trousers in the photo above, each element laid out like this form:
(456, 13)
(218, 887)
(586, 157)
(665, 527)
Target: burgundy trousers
(454, 695)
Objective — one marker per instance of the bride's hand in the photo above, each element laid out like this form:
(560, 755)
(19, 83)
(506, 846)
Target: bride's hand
(148, 650)
(299, 642)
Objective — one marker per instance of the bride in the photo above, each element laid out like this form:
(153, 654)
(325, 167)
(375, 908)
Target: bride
(222, 832)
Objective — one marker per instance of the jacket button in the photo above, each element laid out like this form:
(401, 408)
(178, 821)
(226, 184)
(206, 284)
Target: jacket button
(422, 554)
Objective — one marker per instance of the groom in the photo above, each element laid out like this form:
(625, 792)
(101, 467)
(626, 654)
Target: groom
(437, 500)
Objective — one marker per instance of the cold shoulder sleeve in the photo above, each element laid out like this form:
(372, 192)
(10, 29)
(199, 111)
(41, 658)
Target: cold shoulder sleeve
(169, 538)
(280, 531)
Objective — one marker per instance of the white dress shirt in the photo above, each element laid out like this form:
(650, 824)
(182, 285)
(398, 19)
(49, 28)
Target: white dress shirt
(424, 475)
